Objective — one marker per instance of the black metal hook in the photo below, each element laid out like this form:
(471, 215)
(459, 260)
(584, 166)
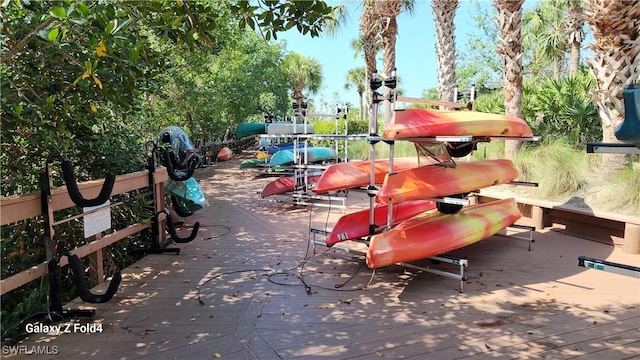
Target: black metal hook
(190, 167)
(81, 285)
(74, 192)
(172, 229)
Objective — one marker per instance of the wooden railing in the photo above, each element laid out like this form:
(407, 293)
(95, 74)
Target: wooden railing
(18, 208)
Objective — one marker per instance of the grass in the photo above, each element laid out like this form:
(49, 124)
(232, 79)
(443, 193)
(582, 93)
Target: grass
(490, 150)
(623, 190)
(561, 170)
(555, 165)
(361, 150)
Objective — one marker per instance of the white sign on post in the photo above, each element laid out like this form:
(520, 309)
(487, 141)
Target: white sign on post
(98, 221)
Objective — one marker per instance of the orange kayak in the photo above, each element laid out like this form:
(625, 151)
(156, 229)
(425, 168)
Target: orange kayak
(436, 181)
(432, 233)
(225, 154)
(414, 123)
(356, 225)
(347, 175)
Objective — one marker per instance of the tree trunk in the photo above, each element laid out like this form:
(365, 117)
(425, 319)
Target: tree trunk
(574, 65)
(443, 13)
(361, 93)
(389, 62)
(510, 50)
(574, 22)
(614, 65)
(387, 11)
(368, 35)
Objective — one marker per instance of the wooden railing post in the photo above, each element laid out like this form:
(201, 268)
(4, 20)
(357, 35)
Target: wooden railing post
(632, 238)
(159, 206)
(96, 265)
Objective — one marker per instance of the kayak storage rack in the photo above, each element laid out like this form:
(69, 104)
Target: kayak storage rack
(167, 160)
(75, 264)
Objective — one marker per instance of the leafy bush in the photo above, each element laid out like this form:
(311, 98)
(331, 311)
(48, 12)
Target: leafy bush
(562, 108)
(328, 127)
(554, 108)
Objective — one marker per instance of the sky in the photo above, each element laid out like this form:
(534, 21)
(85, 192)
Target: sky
(416, 60)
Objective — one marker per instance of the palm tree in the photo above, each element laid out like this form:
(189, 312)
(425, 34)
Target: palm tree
(615, 64)
(546, 32)
(388, 11)
(369, 42)
(573, 22)
(357, 78)
(443, 13)
(510, 50)
(305, 72)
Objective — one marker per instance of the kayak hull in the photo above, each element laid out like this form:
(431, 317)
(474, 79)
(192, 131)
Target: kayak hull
(248, 129)
(314, 154)
(415, 123)
(188, 192)
(224, 154)
(356, 225)
(352, 174)
(288, 129)
(432, 233)
(253, 163)
(284, 185)
(437, 181)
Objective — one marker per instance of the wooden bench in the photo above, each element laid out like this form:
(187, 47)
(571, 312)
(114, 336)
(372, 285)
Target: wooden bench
(584, 222)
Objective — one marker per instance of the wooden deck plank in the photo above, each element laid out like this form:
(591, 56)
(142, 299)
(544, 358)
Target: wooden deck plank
(617, 352)
(521, 304)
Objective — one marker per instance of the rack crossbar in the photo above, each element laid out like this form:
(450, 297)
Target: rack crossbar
(462, 263)
(612, 148)
(608, 266)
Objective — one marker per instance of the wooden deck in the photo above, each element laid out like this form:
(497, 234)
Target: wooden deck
(236, 292)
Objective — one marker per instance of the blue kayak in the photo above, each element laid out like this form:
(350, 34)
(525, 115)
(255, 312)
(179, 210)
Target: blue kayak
(314, 154)
(285, 146)
(186, 196)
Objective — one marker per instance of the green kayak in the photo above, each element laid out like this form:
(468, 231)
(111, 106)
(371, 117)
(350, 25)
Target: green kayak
(248, 129)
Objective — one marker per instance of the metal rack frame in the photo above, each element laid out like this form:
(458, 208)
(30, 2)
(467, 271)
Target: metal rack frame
(461, 263)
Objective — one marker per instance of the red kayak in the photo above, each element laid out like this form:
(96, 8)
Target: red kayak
(436, 181)
(352, 174)
(356, 225)
(415, 123)
(284, 185)
(432, 233)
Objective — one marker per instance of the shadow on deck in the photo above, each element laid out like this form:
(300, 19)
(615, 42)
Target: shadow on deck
(243, 290)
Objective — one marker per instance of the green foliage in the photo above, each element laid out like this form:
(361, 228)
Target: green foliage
(490, 150)
(361, 150)
(624, 189)
(79, 80)
(304, 73)
(271, 17)
(555, 165)
(209, 93)
(490, 102)
(554, 108)
(544, 46)
(557, 108)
